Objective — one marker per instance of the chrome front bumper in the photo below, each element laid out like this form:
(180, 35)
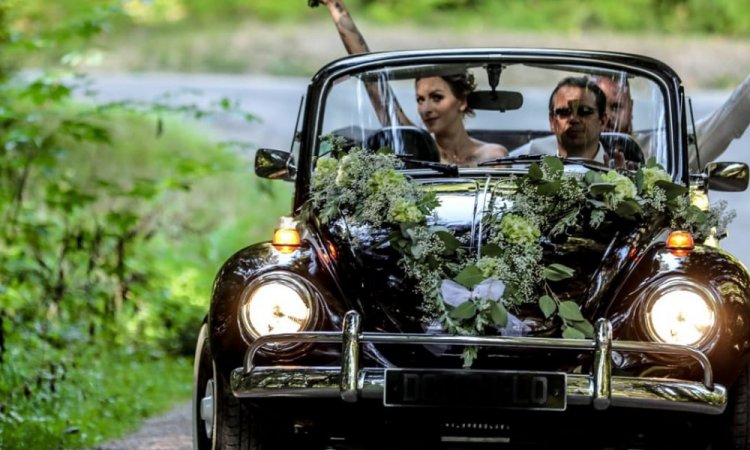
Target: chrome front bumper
(599, 389)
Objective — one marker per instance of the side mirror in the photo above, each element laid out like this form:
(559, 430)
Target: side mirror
(727, 176)
(274, 164)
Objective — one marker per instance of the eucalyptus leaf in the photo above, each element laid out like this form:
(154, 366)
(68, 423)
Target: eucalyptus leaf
(671, 190)
(449, 241)
(639, 180)
(491, 250)
(554, 165)
(584, 326)
(469, 277)
(696, 215)
(548, 305)
(557, 272)
(592, 177)
(548, 187)
(601, 188)
(628, 209)
(535, 173)
(465, 310)
(569, 310)
(499, 314)
(572, 333)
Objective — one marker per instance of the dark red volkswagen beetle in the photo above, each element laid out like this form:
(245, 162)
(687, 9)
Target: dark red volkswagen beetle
(406, 302)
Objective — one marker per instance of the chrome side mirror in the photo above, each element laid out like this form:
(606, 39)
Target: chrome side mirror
(727, 176)
(274, 164)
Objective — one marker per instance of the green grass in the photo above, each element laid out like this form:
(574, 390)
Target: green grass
(89, 396)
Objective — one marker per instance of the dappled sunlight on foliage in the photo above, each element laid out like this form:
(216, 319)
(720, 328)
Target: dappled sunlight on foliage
(113, 222)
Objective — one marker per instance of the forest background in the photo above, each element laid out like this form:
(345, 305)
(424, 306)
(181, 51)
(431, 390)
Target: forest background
(115, 217)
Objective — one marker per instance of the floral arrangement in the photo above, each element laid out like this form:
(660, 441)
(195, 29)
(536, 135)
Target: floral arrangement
(478, 293)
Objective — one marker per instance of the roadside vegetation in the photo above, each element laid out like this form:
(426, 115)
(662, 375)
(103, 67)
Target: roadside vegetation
(113, 222)
(114, 218)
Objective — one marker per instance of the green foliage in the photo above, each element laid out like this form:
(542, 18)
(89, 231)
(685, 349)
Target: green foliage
(113, 222)
(469, 294)
(79, 398)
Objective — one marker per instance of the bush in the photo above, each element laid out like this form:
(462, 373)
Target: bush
(109, 242)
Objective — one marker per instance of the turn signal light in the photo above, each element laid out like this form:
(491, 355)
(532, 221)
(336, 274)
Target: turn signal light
(286, 238)
(680, 242)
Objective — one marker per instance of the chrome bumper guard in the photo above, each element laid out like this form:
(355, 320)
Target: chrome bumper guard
(599, 389)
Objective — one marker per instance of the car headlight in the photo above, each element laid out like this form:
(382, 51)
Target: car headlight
(276, 303)
(681, 312)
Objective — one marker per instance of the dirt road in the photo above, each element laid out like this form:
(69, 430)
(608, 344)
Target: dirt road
(171, 431)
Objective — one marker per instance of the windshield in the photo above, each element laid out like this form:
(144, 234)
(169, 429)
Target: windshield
(467, 114)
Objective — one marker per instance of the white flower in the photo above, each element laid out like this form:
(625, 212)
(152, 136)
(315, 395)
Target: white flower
(455, 294)
(651, 175)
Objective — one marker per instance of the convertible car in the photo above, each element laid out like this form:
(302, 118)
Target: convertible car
(525, 302)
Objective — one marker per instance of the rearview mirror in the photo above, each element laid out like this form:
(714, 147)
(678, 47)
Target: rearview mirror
(274, 164)
(495, 100)
(727, 176)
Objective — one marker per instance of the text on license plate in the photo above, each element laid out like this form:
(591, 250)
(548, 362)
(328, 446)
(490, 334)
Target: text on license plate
(475, 388)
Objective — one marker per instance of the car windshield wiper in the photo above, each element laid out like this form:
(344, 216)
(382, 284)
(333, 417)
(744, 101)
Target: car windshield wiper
(512, 159)
(585, 162)
(446, 169)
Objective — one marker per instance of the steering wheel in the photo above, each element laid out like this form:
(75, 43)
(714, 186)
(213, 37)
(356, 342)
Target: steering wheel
(624, 143)
(410, 141)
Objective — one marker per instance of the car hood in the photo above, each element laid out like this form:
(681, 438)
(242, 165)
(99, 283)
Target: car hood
(373, 281)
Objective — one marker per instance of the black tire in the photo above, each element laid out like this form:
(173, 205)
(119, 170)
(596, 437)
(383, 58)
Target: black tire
(738, 412)
(733, 432)
(224, 423)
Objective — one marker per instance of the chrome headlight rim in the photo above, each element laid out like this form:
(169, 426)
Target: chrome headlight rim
(664, 287)
(290, 280)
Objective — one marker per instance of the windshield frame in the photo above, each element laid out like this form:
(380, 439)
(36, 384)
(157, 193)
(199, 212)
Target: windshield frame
(663, 77)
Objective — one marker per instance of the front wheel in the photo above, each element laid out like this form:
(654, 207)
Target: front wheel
(735, 422)
(220, 421)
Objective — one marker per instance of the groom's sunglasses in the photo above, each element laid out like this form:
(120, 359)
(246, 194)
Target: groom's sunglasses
(581, 111)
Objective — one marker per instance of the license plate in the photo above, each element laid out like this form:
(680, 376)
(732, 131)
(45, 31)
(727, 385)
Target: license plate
(475, 388)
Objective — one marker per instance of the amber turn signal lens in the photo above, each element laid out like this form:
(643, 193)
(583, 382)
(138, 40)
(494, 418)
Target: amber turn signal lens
(680, 240)
(286, 237)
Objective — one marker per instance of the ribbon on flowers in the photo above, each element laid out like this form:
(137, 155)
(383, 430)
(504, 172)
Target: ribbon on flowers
(491, 289)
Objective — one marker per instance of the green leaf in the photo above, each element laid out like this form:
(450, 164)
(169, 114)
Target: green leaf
(548, 305)
(499, 314)
(416, 250)
(601, 188)
(465, 310)
(585, 327)
(628, 209)
(592, 177)
(469, 277)
(535, 173)
(557, 272)
(449, 241)
(569, 310)
(572, 333)
(554, 165)
(548, 187)
(671, 190)
(492, 250)
(695, 214)
(639, 180)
